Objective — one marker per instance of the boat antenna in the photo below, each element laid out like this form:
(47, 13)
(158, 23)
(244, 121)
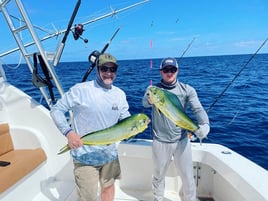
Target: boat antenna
(236, 76)
(93, 57)
(188, 47)
(62, 44)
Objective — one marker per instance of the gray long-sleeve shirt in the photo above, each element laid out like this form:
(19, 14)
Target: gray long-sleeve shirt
(162, 128)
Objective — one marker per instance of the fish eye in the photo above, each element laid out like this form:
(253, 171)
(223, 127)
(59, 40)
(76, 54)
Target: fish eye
(143, 121)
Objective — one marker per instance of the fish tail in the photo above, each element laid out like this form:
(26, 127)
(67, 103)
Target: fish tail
(64, 149)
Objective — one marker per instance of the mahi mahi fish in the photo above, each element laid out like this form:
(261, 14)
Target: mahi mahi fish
(169, 104)
(124, 129)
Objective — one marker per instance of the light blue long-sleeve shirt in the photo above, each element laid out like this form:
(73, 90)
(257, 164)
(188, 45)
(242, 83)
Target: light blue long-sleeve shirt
(94, 108)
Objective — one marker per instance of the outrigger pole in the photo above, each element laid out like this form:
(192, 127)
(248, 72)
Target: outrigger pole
(114, 12)
(236, 76)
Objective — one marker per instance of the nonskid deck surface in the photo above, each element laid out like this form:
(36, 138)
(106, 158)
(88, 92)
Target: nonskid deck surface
(138, 195)
(147, 196)
(134, 195)
(126, 196)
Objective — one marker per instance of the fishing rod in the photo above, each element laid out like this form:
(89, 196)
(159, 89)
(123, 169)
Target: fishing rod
(93, 57)
(230, 83)
(62, 44)
(188, 47)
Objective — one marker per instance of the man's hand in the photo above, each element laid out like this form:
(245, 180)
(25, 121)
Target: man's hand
(202, 131)
(74, 140)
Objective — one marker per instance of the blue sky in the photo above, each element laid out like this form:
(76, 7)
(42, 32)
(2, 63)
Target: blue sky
(215, 27)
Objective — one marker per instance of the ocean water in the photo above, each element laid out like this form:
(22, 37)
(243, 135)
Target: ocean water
(239, 118)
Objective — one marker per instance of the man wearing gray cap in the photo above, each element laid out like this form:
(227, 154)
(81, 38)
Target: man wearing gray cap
(96, 105)
(169, 140)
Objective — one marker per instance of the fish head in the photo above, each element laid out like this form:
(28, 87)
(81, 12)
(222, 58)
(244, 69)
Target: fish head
(142, 121)
(156, 95)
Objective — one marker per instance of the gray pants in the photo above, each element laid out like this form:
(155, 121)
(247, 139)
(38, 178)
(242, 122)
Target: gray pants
(182, 153)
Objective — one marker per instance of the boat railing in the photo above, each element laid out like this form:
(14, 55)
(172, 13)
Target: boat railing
(2, 73)
(48, 60)
(26, 25)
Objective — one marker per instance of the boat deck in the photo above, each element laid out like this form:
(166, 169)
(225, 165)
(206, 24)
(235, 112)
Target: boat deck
(130, 195)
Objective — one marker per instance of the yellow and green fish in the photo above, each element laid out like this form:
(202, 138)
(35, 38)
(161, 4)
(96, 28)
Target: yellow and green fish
(169, 104)
(124, 129)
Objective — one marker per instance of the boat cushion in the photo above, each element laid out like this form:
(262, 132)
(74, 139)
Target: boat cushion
(22, 161)
(5, 139)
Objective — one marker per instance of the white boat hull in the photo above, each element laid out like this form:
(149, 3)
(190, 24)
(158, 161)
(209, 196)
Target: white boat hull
(220, 173)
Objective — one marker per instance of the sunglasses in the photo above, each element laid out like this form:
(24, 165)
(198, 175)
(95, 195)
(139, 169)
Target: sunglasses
(169, 70)
(105, 69)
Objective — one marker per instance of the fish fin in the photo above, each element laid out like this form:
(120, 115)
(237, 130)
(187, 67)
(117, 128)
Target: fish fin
(128, 139)
(158, 111)
(174, 99)
(64, 149)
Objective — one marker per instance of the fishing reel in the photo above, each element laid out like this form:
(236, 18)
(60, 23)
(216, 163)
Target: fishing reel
(93, 57)
(78, 31)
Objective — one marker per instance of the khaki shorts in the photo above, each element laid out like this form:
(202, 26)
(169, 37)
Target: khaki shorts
(87, 178)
